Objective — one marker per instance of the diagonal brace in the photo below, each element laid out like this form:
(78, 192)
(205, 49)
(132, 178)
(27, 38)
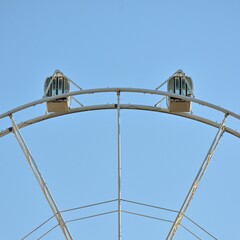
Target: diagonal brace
(197, 180)
(41, 181)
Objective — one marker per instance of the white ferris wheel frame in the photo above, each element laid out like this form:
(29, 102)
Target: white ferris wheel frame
(119, 106)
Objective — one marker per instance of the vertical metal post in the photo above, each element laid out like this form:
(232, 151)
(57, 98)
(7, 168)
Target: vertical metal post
(119, 167)
(197, 180)
(41, 181)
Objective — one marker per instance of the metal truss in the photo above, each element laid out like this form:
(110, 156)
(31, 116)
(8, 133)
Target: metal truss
(119, 106)
(197, 180)
(122, 90)
(41, 181)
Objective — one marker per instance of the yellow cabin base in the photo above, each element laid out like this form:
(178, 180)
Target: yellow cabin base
(60, 106)
(180, 106)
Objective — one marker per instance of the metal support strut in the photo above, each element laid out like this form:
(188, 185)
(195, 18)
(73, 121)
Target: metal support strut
(41, 181)
(197, 180)
(119, 167)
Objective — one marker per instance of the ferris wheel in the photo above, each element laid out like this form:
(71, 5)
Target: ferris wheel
(178, 100)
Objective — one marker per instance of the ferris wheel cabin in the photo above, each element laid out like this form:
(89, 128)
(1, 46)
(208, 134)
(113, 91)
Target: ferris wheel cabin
(57, 84)
(180, 84)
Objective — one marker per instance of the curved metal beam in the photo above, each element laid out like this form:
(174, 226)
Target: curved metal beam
(122, 106)
(127, 90)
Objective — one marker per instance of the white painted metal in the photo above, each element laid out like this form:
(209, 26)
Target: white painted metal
(41, 181)
(197, 180)
(222, 128)
(159, 102)
(119, 167)
(77, 101)
(127, 90)
(122, 106)
(162, 84)
(71, 81)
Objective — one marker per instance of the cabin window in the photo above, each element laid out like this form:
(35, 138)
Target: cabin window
(63, 85)
(189, 87)
(50, 87)
(66, 87)
(60, 83)
(57, 84)
(183, 87)
(60, 90)
(46, 86)
(54, 87)
(180, 84)
(54, 84)
(171, 85)
(177, 86)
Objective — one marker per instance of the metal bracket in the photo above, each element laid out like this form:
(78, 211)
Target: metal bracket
(159, 102)
(77, 101)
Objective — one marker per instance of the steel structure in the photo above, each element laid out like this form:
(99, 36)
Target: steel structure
(41, 181)
(15, 128)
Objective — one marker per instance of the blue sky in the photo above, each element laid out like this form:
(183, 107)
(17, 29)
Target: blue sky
(119, 43)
